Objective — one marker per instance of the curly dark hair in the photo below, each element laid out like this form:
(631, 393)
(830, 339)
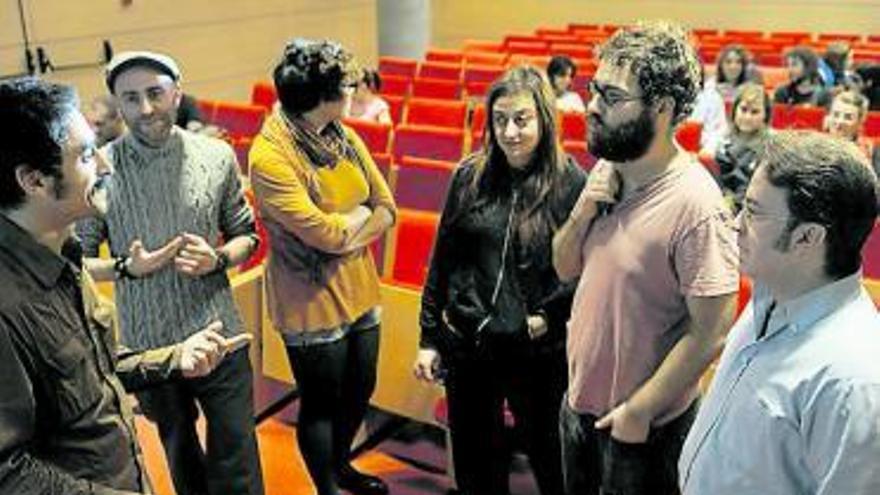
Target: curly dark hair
(34, 118)
(663, 60)
(828, 182)
(311, 72)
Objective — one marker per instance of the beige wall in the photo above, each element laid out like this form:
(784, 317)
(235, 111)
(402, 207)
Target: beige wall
(223, 46)
(456, 20)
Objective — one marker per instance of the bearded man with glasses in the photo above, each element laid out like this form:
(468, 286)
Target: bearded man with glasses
(653, 245)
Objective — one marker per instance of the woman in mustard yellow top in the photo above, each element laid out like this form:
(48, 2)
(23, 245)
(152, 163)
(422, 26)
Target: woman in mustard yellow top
(323, 202)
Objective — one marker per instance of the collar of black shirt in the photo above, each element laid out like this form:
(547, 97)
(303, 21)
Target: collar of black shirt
(46, 266)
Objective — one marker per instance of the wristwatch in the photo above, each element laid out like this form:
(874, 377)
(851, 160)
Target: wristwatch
(221, 263)
(120, 267)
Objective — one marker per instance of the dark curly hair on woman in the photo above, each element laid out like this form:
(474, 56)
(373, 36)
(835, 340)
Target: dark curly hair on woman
(311, 72)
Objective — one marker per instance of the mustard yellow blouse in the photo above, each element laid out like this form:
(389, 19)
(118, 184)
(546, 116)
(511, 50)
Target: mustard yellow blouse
(302, 206)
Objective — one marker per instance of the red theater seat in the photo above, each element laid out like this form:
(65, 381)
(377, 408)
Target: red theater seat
(421, 183)
(434, 112)
(871, 254)
(414, 240)
(872, 125)
(574, 126)
(688, 135)
(578, 151)
(398, 65)
(440, 70)
(395, 107)
(395, 85)
(443, 89)
(375, 135)
(797, 117)
(442, 55)
(239, 119)
(423, 141)
(263, 94)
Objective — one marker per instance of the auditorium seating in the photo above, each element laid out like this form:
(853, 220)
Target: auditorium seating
(263, 94)
(421, 183)
(573, 126)
(398, 65)
(427, 87)
(376, 136)
(688, 135)
(435, 112)
(239, 119)
(414, 239)
(437, 143)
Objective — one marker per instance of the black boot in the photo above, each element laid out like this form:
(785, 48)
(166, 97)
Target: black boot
(359, 483)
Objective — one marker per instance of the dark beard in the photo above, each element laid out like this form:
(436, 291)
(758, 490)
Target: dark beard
(626, 142)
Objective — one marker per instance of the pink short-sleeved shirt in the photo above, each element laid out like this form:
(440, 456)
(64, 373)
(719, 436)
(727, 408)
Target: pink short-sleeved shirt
(670, 239)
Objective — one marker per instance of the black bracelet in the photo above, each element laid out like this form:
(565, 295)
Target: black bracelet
(120, 267)
(221, 263)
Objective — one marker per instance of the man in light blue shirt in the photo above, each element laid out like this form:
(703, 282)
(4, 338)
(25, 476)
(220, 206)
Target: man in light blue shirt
(795, 404)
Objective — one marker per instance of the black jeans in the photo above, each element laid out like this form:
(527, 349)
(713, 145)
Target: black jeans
(231, 462)
(335, 381)
(595, 463)
(476, 387)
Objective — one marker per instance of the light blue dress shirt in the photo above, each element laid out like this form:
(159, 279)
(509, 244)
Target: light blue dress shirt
(797, 411)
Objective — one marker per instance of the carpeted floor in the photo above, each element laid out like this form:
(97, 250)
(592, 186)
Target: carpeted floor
(285, 474)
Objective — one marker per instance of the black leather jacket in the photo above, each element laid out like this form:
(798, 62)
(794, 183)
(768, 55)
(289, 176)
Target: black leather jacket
(466, 263)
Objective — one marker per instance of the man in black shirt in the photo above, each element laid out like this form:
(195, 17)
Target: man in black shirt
(65, 424)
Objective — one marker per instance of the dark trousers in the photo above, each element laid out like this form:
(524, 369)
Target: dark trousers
(595, 463)
(533, 385)
(335, 381)
(231, 461)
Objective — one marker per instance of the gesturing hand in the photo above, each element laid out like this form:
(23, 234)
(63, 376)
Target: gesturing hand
(142, 262)
(196, 257)
(203, 351)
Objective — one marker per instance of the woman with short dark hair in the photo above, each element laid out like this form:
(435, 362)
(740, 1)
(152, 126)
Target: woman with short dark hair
(323, 201)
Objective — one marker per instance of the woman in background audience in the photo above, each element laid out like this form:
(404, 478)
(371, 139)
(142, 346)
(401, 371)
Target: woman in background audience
(846, 118)
(733, 70)
(804, 85)
(494, 313)
(561, 71)
(750, 118)
(366, 104)
(323, 202)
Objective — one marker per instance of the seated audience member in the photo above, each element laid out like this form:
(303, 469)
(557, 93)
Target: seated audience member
(750, 126)
(561, 71)
(795, 401)
(836, 68)
(104, 118)
(189, 116)
(869, 79)
(846, 117)
(804, 85)
(66, 423)
(732, 70)
(709, 111)
(366, 104)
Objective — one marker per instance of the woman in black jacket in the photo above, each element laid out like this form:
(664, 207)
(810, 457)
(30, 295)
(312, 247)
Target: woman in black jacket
(494, 313)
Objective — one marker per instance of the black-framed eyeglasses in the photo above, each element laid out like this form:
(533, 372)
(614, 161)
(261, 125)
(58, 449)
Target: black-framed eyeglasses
(610, 95)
